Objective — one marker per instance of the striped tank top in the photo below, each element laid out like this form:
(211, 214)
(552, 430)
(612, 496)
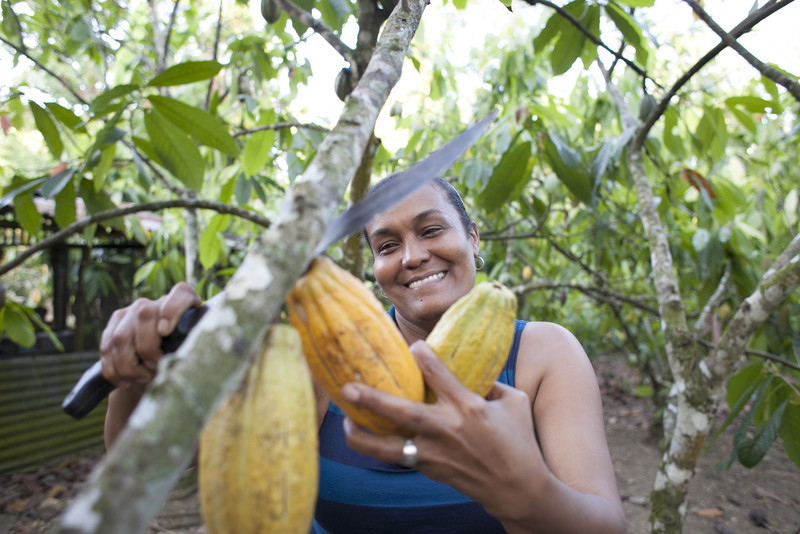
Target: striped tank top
(361, 495)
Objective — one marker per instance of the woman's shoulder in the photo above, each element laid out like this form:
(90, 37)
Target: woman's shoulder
(548, 350)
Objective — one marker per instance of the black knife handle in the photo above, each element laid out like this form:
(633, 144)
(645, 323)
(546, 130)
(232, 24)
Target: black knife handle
(92, 388)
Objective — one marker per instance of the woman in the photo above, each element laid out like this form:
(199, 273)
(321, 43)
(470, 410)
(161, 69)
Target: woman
(531, 457)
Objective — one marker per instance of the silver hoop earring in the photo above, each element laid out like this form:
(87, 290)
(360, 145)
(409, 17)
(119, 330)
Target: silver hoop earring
(479, 263)
(381, 294)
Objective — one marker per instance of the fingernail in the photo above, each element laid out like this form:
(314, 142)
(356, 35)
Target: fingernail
(350, 393)
(163, 326)
(348, 426)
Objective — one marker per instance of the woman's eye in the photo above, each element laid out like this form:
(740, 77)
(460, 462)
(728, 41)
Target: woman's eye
(386, 247)
(431, 231)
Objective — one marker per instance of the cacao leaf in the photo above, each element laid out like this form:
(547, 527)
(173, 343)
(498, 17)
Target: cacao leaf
(48, 129)
(175, 151)
(790, 432)
(752, 451)
(26, 213)
(57, 182)
(202, 126)
(508, 178)
(102, 102)
(18, 326)
(567, 165)
(187, 72)
(210, 246)
(66, 117)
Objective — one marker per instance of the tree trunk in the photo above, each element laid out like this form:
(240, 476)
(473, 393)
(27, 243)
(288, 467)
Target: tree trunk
(129, 486)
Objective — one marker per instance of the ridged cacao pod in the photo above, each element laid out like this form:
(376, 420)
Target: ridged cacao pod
(474, 335)
(349, 337)
(258, 469)
(271, 11)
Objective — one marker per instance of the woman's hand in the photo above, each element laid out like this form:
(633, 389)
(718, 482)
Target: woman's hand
(130, 346)
(484, 448)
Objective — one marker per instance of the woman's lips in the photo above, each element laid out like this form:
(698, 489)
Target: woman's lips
(427, 280)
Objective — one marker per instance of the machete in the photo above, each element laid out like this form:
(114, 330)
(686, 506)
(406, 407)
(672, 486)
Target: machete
(92, 387)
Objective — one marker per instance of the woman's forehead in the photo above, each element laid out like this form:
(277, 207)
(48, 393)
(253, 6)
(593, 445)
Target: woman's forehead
(427, 199)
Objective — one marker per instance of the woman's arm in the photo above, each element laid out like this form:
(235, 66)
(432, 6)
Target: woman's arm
(130, 348)
(489, 449)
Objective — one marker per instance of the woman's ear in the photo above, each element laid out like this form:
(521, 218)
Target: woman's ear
(475, 237)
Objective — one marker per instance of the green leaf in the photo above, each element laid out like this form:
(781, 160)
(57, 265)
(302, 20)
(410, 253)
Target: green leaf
(210, 245)
(566, 164)
(752, 451)
(10, 193)
(106, 159)
(96, 202)
(753, 104)
(26, 213)
(790, 432)
(66, 117)
(17, 325)
(258, 149)
(101, 103)
(144, 272)
(508, 178)
(187, 72)
(566, 50)
(175, 151)
(629, 30)
(57, 182)
(637, 3)
(202, 126)
(46, 126)
(742, 384)
(66, 212)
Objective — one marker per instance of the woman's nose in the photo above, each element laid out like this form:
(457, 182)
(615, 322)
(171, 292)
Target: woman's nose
(414, 253)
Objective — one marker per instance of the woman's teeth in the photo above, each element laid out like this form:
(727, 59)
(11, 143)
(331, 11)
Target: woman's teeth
(431, 278)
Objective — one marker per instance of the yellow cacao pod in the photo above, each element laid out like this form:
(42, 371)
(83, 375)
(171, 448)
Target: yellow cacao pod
(474, 335)
(348, 337)
(258, 467)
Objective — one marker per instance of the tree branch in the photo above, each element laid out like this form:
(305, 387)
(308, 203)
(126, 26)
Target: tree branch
(771, 291)
(279, 126)
(214, 52)
(743, 27)
(100, 216)
(63, 82)
(770, 72)
(170, 25)
(592, 37)
(322, 29)
(129, 486)
(597, 293)
(713, 301)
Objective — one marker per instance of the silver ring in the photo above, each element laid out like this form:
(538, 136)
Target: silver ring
(410, 456)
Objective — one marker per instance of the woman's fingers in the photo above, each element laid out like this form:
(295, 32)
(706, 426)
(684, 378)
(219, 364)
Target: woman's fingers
(436, 374)
(180, 298)
(130, 345)
(387, 449)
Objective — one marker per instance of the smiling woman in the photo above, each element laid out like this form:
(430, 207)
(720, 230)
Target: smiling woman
(529, 457)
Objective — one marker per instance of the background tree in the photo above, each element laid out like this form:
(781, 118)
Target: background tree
(652, 208)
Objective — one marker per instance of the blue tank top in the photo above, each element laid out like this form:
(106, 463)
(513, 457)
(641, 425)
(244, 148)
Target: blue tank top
(361, 495)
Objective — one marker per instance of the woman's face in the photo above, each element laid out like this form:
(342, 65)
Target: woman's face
(424, 259)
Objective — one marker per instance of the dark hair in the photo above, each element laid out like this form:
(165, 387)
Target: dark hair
(452, 196)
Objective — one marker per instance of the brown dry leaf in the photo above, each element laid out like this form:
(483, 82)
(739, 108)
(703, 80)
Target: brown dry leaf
(55, 491)
(19, 505)
(709, 512)
(766, 494)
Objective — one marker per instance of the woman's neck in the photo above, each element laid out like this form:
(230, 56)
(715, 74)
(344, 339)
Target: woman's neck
(412, 332)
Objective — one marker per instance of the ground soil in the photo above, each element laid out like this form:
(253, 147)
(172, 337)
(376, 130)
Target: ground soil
(762, 500)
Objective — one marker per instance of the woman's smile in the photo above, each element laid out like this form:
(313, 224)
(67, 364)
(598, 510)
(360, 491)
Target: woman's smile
(427, 280)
